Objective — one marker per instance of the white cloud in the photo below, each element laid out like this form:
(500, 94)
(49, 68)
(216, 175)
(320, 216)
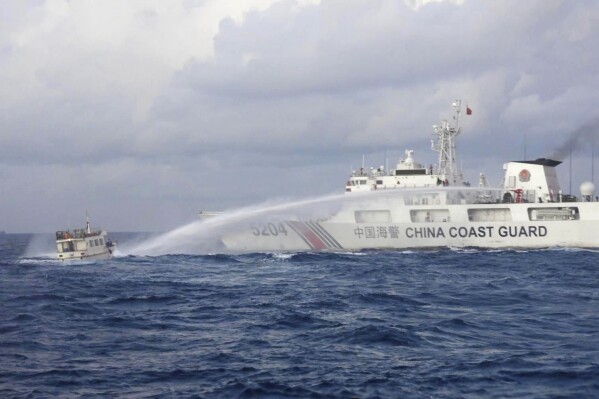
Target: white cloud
(91, 48)
(417, 4)
(168, 106)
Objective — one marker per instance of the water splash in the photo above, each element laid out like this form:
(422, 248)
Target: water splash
(203, 236)
(40, 246)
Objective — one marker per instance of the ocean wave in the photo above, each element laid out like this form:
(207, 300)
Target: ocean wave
(444, 323)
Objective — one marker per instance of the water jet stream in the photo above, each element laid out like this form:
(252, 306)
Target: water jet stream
(203, 236)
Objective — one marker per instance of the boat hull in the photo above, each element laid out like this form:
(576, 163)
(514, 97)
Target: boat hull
(456, 229)
(85, 256)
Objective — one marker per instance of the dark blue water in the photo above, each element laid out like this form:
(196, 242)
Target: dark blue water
(444, 324)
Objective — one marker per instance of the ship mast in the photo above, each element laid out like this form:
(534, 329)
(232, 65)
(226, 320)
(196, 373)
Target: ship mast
(88, 227)
(444, 144)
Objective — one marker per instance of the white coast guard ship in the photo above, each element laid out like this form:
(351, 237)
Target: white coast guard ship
(84, 244)
(418, 206)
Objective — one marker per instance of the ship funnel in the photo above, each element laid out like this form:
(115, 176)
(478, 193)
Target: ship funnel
(587, 190)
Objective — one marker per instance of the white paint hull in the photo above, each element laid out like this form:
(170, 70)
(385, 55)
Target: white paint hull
(86, 256)
(340, 233)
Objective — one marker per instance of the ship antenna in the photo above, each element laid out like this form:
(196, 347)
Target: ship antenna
(445, 144)
(88, 228)
(570, 183)
(362, 169)
(593, 160)
(386, 162)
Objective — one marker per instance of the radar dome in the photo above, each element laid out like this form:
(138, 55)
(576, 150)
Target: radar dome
(587, 188)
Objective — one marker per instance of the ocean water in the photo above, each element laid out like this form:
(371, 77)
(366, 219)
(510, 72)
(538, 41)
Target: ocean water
(393, 324)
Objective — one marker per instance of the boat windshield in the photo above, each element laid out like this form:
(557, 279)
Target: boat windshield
(68, 246)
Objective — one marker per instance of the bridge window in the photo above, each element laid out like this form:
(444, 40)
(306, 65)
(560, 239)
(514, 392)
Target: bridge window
(490, 215)
(554, 213)
(374, 216)
(429, 215)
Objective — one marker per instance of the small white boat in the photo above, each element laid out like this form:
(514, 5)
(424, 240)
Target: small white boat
(84, 244)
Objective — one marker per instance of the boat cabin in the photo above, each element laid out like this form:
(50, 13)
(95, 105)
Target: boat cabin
(83, 243)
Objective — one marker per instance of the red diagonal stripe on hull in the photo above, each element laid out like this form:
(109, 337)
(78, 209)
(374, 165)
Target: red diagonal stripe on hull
(313, 239)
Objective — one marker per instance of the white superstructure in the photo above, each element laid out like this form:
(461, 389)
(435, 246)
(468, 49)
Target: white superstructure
(82, 244)
(408, 173)
(422, 206)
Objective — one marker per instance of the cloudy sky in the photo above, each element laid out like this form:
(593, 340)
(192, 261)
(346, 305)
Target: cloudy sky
(145, 112)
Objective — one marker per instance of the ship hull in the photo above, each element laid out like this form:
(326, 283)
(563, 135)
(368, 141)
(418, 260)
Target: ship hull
(475, 225)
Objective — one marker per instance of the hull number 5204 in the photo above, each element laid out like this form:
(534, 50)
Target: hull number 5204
(268, 229)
